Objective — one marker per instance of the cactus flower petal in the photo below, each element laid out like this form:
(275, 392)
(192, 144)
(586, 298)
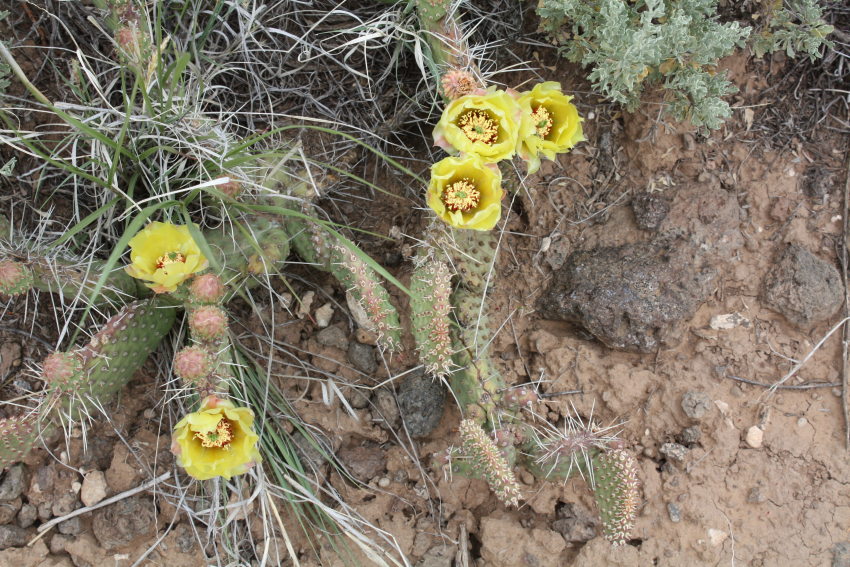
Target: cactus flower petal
(165, 255)
(552, 124)
(465, 192)
(486, 124)
(216, 440)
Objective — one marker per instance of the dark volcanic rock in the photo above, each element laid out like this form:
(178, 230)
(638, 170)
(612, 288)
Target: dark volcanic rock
(421, 399)
(802, 287)
(650, 209)
(633, 297)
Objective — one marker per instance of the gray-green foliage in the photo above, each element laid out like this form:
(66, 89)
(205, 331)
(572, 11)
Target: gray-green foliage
(629, 44)
(794, 27)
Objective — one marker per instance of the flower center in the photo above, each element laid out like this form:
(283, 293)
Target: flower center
(542, 121)
(461, 196)
(170, 258)
(220, 437)
(479, 126)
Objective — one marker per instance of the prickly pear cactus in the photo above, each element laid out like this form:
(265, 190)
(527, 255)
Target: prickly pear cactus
(617, 493)
(94, 373)
(430, 305)
(17, 437)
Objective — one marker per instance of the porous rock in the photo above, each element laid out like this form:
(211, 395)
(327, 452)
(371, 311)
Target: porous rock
(634, 297)
(120, 523)
(802, 287)
(421, 400)
(650, 209)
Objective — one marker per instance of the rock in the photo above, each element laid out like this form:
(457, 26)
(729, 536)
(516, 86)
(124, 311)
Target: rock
(421, 400)
(438, 556)
(802, 287)
(13, 536)
(674, 512)
(696, 404)
(673, 451)
(841, 554)
(311, 457)
(94, 488)
(364, 462)
(120, 523)
(27, 515)
(8, 510)
(362, 357)
(333, 337)
(70, 527)
(634, 297)
(386, 408)
(691, 435)
(728, 321)
(504, 543)
(575, 522)
(64, 504)
(12, 485)
(755, 437)
(35, 556)
(324, 314)
(650, 210)
(716, 537)
(357, 399)
(85, 551)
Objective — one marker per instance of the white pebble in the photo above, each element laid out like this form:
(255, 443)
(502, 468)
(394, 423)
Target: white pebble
(755, 437)
(324, 314)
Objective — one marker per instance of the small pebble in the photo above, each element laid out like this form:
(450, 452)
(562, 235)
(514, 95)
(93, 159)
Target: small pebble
(696, 404)
(691, 435)
(755, 437)
(94, 488)
(675, 513)
(383, 482)
(324, 314)
(673, 451)
(716, 537)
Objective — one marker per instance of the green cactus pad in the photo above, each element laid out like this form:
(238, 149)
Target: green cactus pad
(17, 436)
(617, 493)
(490, 462)
(114, 355)
(430, 291)
(432, 11)
(15, 278)
(263, 250)
(472, 254)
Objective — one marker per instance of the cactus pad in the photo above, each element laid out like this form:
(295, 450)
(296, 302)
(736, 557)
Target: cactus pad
(617, 493)
(430, 290)
(17, 436)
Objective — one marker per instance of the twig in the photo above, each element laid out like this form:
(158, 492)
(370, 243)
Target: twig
(845, 336)
(809, 386)
(42, 529)
(800, 364)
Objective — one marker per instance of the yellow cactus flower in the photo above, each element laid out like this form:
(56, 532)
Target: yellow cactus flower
(555, 124)
(216, 440)
(466, 192)
(164, 254)
(487, 125)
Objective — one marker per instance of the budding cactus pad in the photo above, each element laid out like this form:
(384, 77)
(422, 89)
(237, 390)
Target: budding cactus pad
(117, 352)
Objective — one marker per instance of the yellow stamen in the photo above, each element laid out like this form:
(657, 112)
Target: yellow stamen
(461, 196)
(479, 126)
(170, 258)
(542, 121)
(219, 438)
